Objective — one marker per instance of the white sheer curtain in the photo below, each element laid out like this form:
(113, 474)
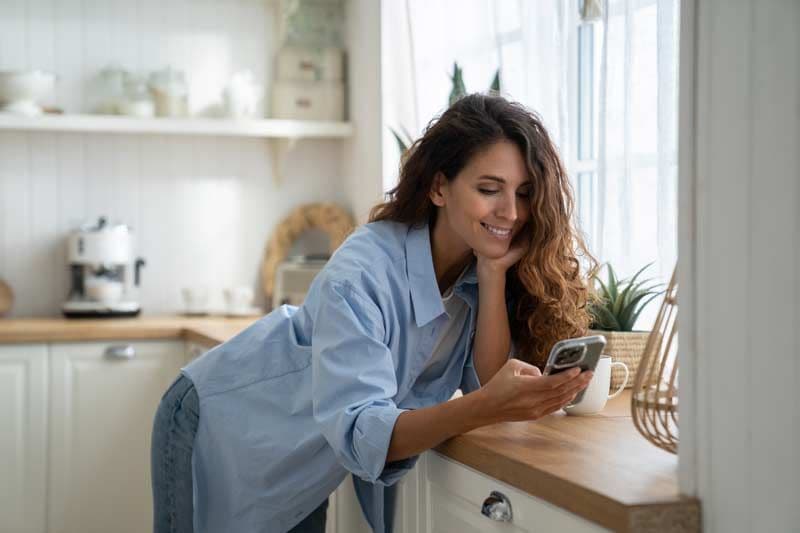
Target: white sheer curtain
(527, 41)
(637, 161)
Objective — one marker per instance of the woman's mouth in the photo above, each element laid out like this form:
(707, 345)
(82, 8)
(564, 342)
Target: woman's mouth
(497, 231)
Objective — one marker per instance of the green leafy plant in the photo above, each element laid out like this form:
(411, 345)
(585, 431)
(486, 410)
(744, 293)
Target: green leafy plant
(458, 90)
(616, 304)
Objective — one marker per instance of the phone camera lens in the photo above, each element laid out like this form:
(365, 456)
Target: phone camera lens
(570, 356)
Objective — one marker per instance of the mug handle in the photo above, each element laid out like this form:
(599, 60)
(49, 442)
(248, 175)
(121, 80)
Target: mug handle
(624, 381)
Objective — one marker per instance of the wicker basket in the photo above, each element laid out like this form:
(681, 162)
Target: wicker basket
(626, 347)
(654, 399)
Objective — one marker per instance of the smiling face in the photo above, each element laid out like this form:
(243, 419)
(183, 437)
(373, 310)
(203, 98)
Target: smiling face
(486, 205)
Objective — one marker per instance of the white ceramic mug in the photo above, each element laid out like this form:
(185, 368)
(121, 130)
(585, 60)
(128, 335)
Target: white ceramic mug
(103, 290)
(195, 300)
(238, 300)
(596, 394)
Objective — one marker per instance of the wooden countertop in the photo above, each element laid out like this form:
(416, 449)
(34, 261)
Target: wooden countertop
(598, 467)
(211, 330)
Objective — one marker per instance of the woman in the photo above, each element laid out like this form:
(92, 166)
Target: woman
(474, 246)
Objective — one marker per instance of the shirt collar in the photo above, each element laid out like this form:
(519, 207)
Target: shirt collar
(425, 297)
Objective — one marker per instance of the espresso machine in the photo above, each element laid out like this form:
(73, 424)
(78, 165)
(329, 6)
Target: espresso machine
(104, 274)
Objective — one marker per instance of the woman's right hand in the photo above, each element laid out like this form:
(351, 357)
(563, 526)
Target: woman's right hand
(518, 391)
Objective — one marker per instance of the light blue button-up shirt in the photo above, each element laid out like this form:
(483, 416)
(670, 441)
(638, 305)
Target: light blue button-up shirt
(307, 394)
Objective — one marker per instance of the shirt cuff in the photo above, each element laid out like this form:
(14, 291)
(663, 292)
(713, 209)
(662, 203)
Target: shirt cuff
(373, 431)
(394, 471)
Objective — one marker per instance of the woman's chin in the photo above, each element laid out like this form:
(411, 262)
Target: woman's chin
(495, 251)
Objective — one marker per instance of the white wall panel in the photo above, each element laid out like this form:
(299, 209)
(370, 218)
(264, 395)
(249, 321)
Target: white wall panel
(364, 151)
(744, 344)
(774, 317)
(202, 208)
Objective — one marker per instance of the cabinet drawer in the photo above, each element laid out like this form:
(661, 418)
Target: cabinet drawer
(296, 63)
(457, 492)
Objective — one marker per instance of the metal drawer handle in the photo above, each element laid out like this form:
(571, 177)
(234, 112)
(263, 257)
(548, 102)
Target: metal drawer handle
(497, 507)
(121, 352)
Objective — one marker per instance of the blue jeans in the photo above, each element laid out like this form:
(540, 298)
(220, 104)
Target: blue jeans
(174, 429)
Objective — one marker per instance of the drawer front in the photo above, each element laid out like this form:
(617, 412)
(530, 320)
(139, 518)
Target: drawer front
(309, 64)
(308, 100)
(103, 397)
(456, 493)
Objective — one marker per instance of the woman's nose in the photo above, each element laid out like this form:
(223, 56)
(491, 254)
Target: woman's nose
(508, 208)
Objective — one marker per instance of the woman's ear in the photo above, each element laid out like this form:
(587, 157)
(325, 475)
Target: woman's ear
(436, 193)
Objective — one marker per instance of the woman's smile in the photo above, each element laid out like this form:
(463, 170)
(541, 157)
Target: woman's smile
(498, 232)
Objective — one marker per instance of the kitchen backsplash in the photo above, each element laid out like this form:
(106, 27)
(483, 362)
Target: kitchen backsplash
(202, 207)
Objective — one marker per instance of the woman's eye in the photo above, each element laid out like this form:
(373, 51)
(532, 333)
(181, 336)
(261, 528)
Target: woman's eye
(524, 194)
(488, 191)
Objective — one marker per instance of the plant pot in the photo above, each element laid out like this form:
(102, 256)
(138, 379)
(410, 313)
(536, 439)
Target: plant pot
(626, 347)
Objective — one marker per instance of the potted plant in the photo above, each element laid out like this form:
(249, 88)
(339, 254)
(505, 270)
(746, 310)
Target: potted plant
(614, 307)
(458, 90)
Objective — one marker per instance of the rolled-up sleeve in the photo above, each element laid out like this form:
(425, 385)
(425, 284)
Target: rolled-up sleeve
(469, 377)
(353, 381)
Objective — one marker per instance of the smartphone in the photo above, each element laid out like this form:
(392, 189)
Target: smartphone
(583, 352)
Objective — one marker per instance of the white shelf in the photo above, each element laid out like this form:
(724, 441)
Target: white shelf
(265, 128)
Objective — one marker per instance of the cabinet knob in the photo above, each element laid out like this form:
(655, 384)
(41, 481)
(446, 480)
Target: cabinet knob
(497, 507)
(121, 351)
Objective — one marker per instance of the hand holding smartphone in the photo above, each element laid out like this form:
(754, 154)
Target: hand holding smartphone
(582, 352)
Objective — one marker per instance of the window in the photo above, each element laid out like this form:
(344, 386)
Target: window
(608, 97)
(623, 135)
(585, 87)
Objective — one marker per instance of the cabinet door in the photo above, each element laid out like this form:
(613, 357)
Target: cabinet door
(454, 494)
(103, 399)
(23, 419)
(344, 511)
(345, 515)
(409, 517)
(193, 351)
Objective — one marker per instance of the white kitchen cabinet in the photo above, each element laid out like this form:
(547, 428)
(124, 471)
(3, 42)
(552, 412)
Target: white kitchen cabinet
(344, 512)
(23, 437)
(345, 515)
(102, 400)
(452, 495)
(409, 515)
(442, 496)
(193, 351)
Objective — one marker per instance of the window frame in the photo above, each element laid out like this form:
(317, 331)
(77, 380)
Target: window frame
(583, 43)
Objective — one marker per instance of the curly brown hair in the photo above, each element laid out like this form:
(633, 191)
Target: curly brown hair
(545, 290)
